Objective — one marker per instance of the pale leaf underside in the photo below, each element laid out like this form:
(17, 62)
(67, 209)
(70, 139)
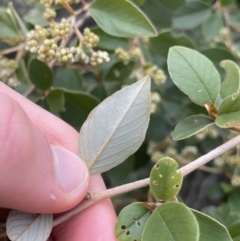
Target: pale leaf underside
(116, 128)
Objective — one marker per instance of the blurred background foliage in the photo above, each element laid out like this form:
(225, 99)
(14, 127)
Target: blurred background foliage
(71, 88)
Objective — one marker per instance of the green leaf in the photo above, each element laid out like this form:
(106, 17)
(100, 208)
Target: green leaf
(166, 40)
(121, 19)
(35, 16)
(8, 28)
(116, 128)
(40, 74)
(22, 73)
(165, 181)
(171, 222)
(69, 79)
(56, 100)
(194, 74)
(78, 105)
(216, 55)
(99, 91)
(131, 222)
(231, 82)
(138, 2)
(119, 71)
(210, 229)
(171, 4)
(226, 2)
(234, 200)
(17, 19)
(234, 230)
(160, 15)
(109, 42)
(190, 15)
(212, 25)
(229, 112)
(191, 126)
(219, 213)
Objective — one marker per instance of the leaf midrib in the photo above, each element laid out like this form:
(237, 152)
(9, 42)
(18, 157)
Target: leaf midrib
(91, 164)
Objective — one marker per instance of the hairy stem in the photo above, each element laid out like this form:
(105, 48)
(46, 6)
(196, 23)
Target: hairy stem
(95, 197)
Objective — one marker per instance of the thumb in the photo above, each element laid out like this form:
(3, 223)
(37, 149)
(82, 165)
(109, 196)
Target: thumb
(34, 175)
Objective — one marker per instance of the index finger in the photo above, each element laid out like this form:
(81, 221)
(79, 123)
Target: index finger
(95, 223)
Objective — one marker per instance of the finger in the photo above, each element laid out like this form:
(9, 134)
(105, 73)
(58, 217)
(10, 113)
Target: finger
(56, 130)
(52, 127)
(41, 177)
(95, 223)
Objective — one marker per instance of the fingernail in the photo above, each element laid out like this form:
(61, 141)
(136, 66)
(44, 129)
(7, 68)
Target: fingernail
(70, 171)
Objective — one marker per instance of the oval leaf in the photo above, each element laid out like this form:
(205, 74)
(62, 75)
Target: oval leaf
(231, 82)
(171, 4)
(121, 19)
(171, 222)
(234, 230)
(40, 74)
(229, 112)
(78, 105)
(166, 39)
(28, 226)
(190, 15)
(131, 222)
(165, 181)
(194, 74)
(191, 126)
(69, 79)
(160, 16)
(55, 100)
(210, 229)
(212, 25)
(116, 128)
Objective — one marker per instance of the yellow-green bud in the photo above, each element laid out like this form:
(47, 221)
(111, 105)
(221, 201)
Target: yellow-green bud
(99, 57)
(49, 14)
(60, 29)
(90, 39)
(122, 55)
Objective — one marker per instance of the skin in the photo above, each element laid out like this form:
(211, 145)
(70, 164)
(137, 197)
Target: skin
(26, 173)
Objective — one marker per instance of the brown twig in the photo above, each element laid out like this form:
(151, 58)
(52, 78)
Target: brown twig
(95, 197)
(11, 50)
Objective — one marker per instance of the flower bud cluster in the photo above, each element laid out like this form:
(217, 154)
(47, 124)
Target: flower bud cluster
(157, 155)
(122, 55)
(8, 63)
(70, 1)
(233, 160)
(135, 53)
(210, 131)
(235, 181)
(49, 14)
(99, 57)
(8, 67)
(47, 51)
(47, 3)
(35, 38)
(156, 74)
(189, 152)
(60, 29)
(64, 55)
(161, 149)
(90, 39)
(156, 99)
(79, 55)
(219, 162)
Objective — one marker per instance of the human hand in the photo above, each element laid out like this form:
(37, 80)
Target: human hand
(40, 173)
